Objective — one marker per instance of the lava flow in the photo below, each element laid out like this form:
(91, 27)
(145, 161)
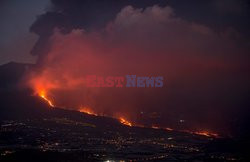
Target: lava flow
(202, 133)
(207, 134)
(128, 123)
(42, 94)
(125, 122)
(87, 111)
(91, 112)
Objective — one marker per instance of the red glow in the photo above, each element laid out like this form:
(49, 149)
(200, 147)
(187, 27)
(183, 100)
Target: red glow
(87, 111)
(42, 86)
(203, 133)
(125, 122)
(43, 95)
(207, 134)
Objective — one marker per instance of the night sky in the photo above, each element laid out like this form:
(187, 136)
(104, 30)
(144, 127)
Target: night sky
(201, 48)
(16, 19)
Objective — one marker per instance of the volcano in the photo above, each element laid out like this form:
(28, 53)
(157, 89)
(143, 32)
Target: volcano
(31, 129)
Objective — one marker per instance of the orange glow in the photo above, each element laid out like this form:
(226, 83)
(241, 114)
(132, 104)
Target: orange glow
(42, 86)
(42, 94)
(207, 134)
(203, 133)
(125, 122)
(87, 111)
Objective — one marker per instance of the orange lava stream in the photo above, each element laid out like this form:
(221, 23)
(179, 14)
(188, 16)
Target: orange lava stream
(201, 133)
(208, 134)
(125, 122)
(42, 94)
(87, 111)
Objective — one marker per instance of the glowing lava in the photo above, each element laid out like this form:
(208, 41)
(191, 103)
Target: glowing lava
(200, 133)
(207, 134)
(125, 122)
(42, 94)
(87, 111)
(203, 133)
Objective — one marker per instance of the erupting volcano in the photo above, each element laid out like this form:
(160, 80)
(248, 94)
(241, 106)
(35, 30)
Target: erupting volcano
(43, 95)
(123, 121)
(194, 63)
(124, 80)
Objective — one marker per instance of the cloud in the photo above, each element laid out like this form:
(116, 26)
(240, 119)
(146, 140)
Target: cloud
(203, 71)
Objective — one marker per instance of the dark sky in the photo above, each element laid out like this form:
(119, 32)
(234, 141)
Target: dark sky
(16, 18)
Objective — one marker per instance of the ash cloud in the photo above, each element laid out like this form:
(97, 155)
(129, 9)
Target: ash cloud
(205, 72)
(78, 14)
